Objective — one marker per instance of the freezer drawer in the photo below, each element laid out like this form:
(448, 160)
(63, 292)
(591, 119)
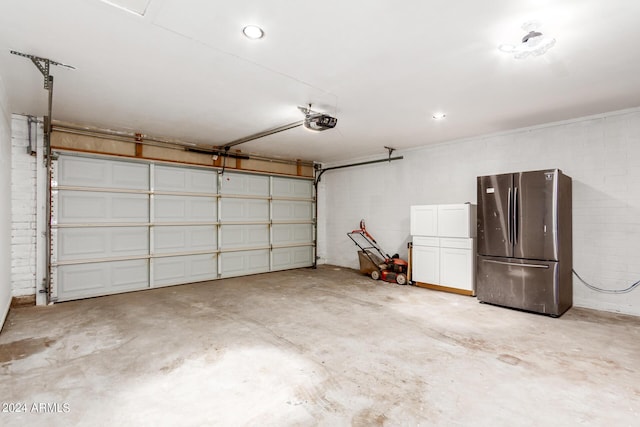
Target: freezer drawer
(517, 283)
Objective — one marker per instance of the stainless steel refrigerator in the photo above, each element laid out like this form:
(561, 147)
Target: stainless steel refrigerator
(525, 241)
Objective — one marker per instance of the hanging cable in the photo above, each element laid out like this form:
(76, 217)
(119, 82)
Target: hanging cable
(607, 291)
(224, 159)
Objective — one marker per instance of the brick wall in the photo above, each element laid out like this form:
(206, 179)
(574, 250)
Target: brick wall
(600, 153)
(23, 211)
(5, 205)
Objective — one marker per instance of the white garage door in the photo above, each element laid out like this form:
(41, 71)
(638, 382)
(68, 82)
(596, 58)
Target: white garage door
(124, 225)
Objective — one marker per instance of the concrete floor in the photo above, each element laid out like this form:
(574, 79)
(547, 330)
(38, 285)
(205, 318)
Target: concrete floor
(314, 347)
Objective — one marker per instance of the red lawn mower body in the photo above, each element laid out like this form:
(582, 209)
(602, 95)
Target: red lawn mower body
(375, 262)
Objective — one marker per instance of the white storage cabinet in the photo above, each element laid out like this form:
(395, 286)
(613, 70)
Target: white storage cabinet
(444, 247)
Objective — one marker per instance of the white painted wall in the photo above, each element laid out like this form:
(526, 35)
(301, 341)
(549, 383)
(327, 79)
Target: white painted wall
(23, 202)
(600, 153)
(5, 204)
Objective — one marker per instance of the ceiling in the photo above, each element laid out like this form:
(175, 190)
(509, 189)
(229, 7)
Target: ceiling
(183, 69)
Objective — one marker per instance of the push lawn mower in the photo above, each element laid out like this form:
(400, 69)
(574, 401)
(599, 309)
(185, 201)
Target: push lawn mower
(374, 261)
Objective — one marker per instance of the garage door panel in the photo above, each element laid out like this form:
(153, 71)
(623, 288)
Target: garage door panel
(246, 262)
(204, 267)
(81, 278)
(82, 206)
(244, 184)
(231, 236)
(291, 210)
(175, 239)
(129, 213)
(169, 270)
(239, 236)
(81, 244)
(244, 210)
(203, 209)
(257, 235)
(103, 278)
(169, 178)
(184, 269)
(170, 208)
(288, 187)
(102, 242)
(284, 234)
(130, 274)
(130, 207)
(80, 171)
(203, 238)
(184, 209)
(130, 176)
(284, 258)
(130, 241)
(76, 206)
(169, 239)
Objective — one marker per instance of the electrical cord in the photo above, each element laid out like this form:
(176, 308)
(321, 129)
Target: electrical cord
(224, 159)
(607, 291)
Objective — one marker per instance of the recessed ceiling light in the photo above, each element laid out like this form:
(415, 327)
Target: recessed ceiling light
(439, 116)
(253, 32)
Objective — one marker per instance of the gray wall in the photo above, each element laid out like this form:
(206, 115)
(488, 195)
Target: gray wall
(5, 204)
(601, 154)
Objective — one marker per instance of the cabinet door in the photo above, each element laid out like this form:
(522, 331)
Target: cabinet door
(424, 220)
(456, 268)
(425, 265)
(456, 220)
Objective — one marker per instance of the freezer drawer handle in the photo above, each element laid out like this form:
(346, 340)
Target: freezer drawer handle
(516, 265)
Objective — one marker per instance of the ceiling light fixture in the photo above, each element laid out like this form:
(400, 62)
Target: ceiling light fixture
(253, 32)
(439, 116)
(534, 43)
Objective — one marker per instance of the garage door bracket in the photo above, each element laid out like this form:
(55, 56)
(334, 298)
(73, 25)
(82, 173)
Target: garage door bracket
(44, 66)
(319, 170)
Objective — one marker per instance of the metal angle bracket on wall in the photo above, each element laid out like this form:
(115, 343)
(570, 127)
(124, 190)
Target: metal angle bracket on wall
(43, 64)
(391, 150)
(320, 170)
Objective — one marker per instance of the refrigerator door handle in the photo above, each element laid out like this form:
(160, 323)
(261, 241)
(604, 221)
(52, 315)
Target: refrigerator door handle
(509, 227)
(515, 216)
(515, 264)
